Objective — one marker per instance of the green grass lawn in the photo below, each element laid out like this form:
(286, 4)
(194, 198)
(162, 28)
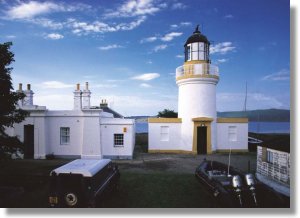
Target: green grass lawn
(159, 190)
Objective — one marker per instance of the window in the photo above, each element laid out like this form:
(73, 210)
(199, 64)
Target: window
(232, 133)
(164, 133)
(118, 140)
(188, 53)
(64, 135)
(269, 156)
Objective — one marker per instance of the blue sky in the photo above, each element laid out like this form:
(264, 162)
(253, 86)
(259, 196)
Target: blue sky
(128, 50)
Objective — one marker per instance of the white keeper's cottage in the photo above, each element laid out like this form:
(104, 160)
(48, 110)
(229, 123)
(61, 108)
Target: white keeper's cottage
(197, 130)
(84, 132)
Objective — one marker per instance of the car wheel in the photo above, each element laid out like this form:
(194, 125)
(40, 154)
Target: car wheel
(71, 199)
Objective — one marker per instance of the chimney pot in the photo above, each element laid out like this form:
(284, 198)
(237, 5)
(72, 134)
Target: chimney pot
(78, 87)
(86, 86)
(20, 87)
(28, 87)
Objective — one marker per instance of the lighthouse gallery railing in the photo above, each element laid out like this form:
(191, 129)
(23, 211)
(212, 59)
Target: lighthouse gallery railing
(197, 69)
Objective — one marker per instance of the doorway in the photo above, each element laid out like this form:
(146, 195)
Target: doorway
(201, 140)
(28, 141)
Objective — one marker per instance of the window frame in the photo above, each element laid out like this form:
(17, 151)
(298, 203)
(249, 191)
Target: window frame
(269, 157)
(118, 140)
(164, 133)
(66, 135)
(232, 134)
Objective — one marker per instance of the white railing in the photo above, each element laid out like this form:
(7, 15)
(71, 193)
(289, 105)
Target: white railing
(197, 69)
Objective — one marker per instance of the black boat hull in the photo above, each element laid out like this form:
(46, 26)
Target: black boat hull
(226, 195)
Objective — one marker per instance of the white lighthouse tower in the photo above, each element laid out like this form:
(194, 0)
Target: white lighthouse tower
(197, 80)
(197, 130)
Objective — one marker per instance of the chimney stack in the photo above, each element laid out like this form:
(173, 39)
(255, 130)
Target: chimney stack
(86, 97)
(103, 104)
(28, 100)
(77, 98)
(20, 87)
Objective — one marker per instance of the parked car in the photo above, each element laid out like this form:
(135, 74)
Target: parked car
(81, 182)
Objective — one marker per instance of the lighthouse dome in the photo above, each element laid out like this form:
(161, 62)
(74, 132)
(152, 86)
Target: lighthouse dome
(197, 37)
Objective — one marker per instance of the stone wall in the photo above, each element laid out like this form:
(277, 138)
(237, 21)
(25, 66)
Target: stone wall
(278, 169)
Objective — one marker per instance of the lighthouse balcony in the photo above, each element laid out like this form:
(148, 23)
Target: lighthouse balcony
(197, 70)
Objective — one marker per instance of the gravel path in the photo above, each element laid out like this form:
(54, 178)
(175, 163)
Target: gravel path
(178, 163)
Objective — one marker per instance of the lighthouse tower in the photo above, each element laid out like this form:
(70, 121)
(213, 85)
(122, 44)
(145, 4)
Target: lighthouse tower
(197, 80)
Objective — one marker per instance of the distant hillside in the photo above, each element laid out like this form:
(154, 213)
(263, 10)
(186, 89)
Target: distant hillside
(268, 115)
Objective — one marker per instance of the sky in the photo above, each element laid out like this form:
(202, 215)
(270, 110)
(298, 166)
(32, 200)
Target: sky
(129, 50)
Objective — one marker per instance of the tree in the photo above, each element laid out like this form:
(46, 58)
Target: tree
(9, 111)
(167, 113)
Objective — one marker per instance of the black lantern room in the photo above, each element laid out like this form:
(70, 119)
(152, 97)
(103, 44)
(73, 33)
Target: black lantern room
(196, 47)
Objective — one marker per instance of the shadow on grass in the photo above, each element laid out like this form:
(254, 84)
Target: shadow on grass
(158, 190)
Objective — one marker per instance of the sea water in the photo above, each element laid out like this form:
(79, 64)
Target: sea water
(257, 127)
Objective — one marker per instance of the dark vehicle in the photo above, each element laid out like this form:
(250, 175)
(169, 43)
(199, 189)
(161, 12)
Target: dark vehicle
(232, 188)
(81, 182)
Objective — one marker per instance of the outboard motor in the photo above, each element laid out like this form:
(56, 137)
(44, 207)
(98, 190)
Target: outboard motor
(250, 180)
(237, 185)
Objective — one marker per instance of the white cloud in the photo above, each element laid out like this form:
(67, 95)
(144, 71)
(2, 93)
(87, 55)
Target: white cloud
(138, 105)
(109, 47)
(31, 9)
(159, 48)
(228, 16)
(132, 8)
(179, 56)
(181, 24)
(44, 22)
(84, 28)
(55, 101)
(10, 36)
(145, 85)
(146, 76)
(281, 75)
(170, 36)
(178, 5)
(222, 48)
(34, 11)
(54, 36)
(235, 101)
(223, 60)
(149, 39)
(55, 85)
(166, 38)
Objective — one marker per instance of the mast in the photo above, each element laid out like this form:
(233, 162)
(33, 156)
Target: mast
(245, 102)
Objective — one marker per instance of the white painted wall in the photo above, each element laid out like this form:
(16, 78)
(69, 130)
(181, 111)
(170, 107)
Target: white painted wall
(196, 98)
(91, 141)
(174, 141)
(37, 119)
(85, 133)
(223, 136)
(57, 119)
(111, 126)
